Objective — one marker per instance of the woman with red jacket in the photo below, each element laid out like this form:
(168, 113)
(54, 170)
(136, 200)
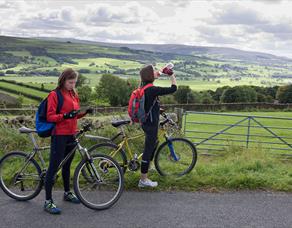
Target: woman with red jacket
(62, 139)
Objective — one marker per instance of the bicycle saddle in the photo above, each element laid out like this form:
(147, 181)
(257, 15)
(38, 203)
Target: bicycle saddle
(26, 130)
(118, 123)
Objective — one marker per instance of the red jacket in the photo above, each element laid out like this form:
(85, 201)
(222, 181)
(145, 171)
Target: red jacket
(71, 102)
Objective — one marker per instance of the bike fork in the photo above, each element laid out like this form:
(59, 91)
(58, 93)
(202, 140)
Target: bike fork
(171, 149)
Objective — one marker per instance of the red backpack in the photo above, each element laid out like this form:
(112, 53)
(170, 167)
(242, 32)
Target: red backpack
(136, 107)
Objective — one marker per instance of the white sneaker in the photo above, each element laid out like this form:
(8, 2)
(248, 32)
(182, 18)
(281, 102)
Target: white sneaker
(147, 183)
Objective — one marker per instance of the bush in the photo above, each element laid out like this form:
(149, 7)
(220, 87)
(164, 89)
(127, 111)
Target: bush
(10, 72)
(84, 71)
(239, 94)
(284, 94)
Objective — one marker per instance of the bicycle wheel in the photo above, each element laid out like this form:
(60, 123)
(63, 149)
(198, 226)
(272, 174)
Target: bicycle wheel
(102, 190)
(107, 149)
(20, 179)
(176, 157)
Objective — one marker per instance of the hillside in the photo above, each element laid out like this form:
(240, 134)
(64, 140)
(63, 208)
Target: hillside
(40, 61)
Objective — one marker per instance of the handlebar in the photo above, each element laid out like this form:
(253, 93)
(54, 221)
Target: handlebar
(85, 128)
(167, 119)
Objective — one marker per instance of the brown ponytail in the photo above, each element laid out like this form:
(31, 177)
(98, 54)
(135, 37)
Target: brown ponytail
(147, 74)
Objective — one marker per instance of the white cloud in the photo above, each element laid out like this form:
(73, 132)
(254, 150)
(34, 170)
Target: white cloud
(251, 25)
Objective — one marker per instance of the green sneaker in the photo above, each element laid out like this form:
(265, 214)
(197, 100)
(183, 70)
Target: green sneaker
(51, 208)
(70, 197)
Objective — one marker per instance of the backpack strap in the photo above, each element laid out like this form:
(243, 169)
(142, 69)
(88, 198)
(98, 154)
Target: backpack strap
(154, 102)
(150, 109)
(142, 89)
(60, 100)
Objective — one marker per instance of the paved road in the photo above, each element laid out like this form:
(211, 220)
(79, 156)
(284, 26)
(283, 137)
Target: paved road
(158, 209)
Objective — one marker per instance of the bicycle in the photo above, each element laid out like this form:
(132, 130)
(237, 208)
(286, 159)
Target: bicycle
(22, 177)
(175, 156)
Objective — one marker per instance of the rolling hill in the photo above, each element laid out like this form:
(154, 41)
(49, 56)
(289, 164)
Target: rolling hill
(40, 60)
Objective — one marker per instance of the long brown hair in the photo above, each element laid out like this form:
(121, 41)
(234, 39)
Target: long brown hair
(67, 74)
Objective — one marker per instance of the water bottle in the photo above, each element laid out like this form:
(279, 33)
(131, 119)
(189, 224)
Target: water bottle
(167, 69)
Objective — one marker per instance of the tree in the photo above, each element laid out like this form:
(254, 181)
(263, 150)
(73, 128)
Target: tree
(218, 93)
(271, 91)
(239, 94)
(284, 94)
(81, 80)
(116, 90)
(206, 98)
(84, 94)
(84, 71)
(183, 94)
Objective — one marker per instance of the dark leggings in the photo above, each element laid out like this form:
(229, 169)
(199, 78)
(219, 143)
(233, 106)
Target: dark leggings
(150, 146)
(61, 145)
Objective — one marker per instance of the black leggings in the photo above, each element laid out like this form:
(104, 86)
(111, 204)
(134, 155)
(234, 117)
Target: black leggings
(61, 145)
(150, 146)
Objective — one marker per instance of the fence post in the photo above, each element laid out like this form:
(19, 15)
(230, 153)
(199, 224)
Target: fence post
(179, 113)
(248, 132)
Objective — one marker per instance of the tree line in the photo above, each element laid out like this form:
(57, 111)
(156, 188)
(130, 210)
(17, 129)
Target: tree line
(115, 91)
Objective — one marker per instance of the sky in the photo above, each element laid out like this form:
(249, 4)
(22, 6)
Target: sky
(258, 25)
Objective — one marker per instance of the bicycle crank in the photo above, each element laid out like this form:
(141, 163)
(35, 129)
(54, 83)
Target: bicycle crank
(133, 165)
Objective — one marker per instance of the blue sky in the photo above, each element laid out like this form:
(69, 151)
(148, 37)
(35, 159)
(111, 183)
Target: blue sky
(256, 25)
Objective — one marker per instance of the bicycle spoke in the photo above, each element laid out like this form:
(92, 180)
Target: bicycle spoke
(20, 178)
(176, 158)
(100, 194)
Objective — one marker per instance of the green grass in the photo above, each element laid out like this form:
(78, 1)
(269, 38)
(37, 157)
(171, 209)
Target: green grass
(33, 79)
(236, 169)
(26, 101)
(19, 53)
(23, 90)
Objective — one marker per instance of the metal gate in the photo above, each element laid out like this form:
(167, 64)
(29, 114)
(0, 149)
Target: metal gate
(213, 132)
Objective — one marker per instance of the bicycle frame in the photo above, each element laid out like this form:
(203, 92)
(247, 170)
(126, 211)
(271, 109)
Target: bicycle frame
(37, 151)
(125, 142)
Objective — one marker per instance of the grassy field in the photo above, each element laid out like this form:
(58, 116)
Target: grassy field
(26, 101)
(197, 85)
(200, 85)
(23, 90)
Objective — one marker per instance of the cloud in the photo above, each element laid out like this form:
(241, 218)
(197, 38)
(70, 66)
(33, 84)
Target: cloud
(251, 25)
(130, 13)
(236, 14)
(55, 20)
(6, 5)
(252, 21)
